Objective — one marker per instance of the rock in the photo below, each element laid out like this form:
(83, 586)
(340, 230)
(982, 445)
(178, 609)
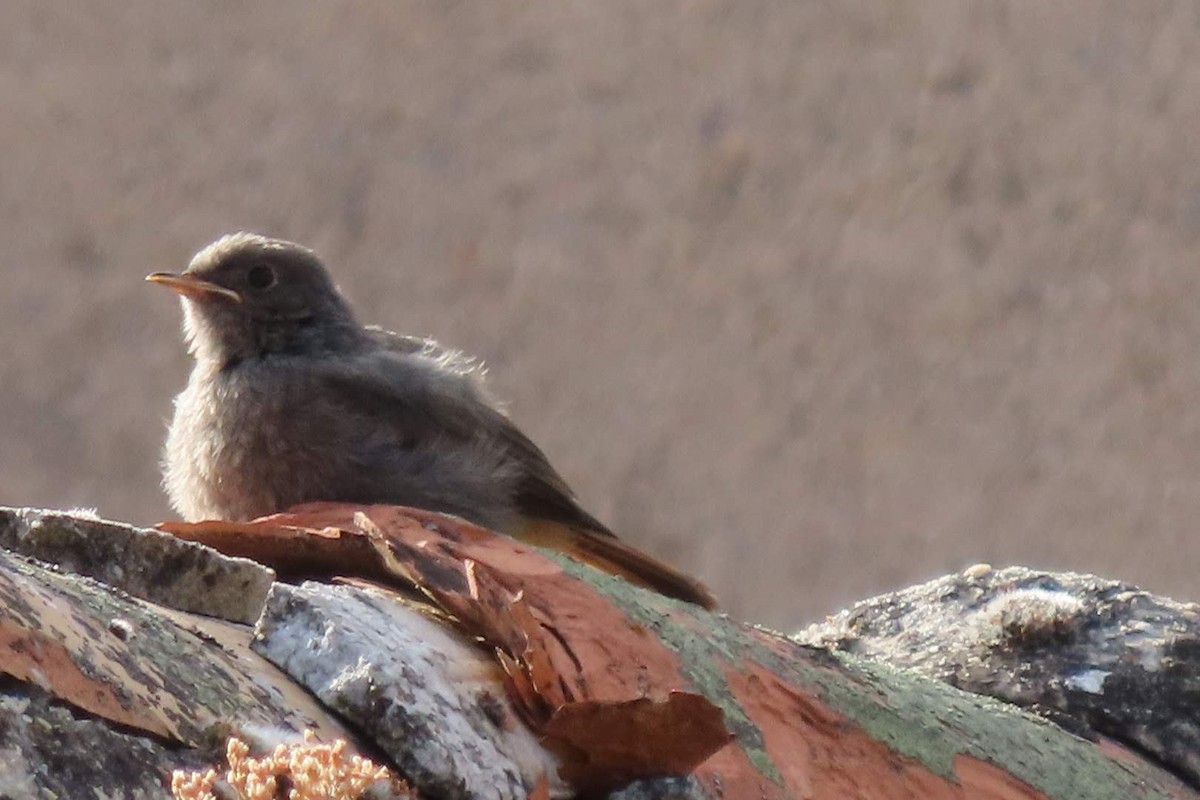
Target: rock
(1095, 655)
(145, 563)
(433, 701)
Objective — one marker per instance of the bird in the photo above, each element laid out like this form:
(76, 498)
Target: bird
(292, 400)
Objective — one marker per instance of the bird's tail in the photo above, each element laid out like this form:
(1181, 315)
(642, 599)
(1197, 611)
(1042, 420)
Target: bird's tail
(609, 554)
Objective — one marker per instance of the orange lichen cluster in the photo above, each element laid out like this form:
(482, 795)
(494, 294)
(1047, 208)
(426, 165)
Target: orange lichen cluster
(311, 771)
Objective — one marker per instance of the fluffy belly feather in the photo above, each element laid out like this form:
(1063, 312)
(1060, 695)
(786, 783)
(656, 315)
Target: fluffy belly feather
(226, 461)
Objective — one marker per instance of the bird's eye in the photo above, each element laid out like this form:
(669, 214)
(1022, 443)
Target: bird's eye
(260, 277)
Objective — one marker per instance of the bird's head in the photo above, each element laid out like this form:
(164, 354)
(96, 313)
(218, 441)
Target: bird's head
(246, 296)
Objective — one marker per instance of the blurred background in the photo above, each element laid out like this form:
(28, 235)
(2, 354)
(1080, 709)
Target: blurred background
(814, 299)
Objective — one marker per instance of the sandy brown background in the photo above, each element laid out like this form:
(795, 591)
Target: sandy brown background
(816, 299)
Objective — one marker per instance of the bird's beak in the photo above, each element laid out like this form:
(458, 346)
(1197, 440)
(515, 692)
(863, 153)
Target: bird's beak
(191, 286)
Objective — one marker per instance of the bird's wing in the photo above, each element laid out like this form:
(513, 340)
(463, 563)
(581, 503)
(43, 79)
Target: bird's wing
(428, 391)
(438, 392)
(610, 554)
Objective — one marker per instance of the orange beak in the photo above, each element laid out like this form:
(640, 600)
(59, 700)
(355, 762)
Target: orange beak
(191, 286)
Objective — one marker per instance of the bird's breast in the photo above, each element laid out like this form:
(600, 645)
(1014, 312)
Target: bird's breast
(243, 444)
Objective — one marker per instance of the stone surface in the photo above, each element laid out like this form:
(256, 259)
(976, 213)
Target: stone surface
(146, 563)
(176, 675)
(662, 789)
(47, 752)
(1097, 656)
(434, 702)
(814, 299)
(422, 688)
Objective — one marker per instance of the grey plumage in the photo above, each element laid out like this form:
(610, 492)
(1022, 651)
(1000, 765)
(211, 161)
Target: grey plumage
(291, 400)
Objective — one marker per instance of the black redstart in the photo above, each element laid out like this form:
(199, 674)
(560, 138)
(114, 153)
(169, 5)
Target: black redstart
(291, 400)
